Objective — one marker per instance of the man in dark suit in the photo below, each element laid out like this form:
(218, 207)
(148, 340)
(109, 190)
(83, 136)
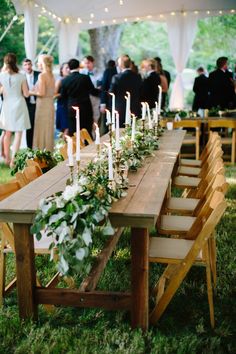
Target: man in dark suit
(221, 86)
(129, 81)
(201, 90)
(149, 89)
(32, 78)
(76, 88)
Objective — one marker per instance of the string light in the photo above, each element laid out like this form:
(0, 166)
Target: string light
(48, 13)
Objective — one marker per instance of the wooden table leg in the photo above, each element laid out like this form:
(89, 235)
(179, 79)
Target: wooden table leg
(25, 271)
(139, 278)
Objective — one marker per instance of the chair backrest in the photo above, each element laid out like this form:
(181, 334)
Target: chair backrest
(219, 184)
(29, 174)
(33, 163)
(214, 199)
(187, 123)
(85, 138)
(221, 123)
(6, 189)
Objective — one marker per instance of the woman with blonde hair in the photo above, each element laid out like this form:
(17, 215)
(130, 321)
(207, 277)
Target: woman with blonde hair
(44, 115)
(14, 115)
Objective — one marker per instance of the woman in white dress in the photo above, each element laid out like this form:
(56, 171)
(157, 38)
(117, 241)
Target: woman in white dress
(14, 115)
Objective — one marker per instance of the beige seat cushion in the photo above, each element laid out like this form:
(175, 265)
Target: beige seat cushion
(175, 224)
(169, 248)
(190, 162)
(182, 204)
(189, 171)
(185, 182)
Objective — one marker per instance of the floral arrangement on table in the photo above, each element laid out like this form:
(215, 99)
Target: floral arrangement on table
(73, 216)
(45, 158)
(172, 114)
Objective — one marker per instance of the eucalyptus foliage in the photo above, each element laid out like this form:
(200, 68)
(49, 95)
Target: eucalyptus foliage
(71, 217)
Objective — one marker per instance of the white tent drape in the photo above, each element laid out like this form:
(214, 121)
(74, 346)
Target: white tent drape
(181, 33)
(68, 41)
(31, 29)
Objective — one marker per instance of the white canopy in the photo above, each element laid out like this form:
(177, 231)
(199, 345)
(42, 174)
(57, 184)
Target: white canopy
(72, 16)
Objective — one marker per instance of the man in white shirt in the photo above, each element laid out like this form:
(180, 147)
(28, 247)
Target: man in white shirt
(32, 78)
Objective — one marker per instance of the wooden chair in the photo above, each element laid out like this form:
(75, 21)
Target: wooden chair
(85, 138)
(7, 189)
(33, 163)
(190, 139)
(227, 124)
(190, 183)
(215, 153)
(29, 174)
(188, 206)
(204, 154)
(181, 255)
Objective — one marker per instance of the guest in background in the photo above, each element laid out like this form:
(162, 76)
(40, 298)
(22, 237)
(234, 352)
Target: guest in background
(76, 89)
(149, 89)
(127, 80)
(96, 78)
(201, 90)
(14, 115)
(164, 84)
(109, 72)
(221, 86)
(166, 73)
(32, 78)
(62, 110)
(44, 116)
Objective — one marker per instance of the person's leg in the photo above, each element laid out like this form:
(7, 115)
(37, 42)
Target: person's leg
(15, 146)
(6, 146)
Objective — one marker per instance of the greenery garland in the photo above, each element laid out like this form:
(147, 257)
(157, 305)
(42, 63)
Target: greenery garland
(73, 216)
(50, 159)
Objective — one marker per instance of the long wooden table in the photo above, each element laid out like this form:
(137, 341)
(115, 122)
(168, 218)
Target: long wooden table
(139, 210)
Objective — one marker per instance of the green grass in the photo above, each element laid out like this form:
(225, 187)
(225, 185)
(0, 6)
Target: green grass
(5, 173)
(184, 327)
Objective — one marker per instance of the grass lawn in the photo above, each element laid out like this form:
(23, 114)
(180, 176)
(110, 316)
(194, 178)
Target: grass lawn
(184, 327)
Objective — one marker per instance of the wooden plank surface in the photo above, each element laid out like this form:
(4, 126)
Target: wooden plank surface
(148, 183)
(73, 297)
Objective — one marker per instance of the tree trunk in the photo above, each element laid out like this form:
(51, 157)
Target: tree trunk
(105, 42)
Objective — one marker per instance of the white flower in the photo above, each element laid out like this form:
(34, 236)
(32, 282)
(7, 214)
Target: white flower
(60, 203)
(54, 218)
(71, 191)
(87, 236)
(45, 208)
(83, 181)
(80, 253)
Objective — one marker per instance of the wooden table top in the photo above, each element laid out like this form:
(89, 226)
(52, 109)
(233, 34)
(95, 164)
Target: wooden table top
(141, 206)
